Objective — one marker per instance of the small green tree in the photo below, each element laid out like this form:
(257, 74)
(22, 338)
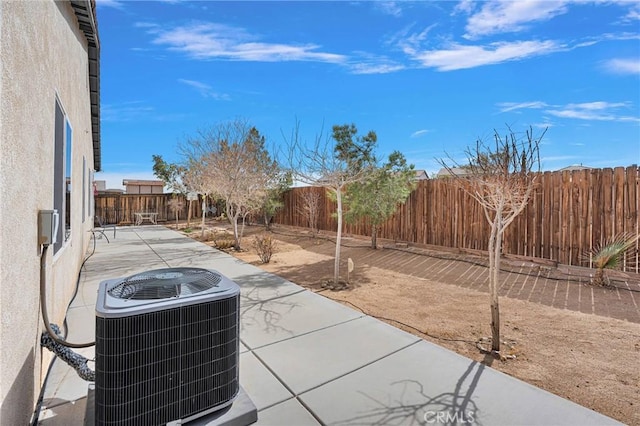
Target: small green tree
(170, 173)
(273, 196)
(334, 166)
(174, 178)
(378, 196)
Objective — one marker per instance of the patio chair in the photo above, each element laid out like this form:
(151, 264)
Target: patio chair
(102, 227)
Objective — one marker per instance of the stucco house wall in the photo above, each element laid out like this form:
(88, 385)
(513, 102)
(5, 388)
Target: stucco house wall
(43, 57)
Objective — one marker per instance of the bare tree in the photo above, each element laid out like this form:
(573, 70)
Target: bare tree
(500, 177)
(196, 178)
(230, 161)
(331, 164)
(176, 205)
(310, 209)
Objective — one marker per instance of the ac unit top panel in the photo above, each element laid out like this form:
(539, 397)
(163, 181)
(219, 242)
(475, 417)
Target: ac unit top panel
(157, 289)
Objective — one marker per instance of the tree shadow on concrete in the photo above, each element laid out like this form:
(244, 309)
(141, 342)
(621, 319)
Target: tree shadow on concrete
(415, 406)
(262, 305)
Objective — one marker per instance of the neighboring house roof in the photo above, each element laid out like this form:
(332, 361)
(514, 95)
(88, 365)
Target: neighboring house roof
(453, 171)
(575, 167)
(421, 175)
(142, 182)
(85, 11)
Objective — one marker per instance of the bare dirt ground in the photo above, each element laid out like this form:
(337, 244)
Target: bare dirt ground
(568, 336)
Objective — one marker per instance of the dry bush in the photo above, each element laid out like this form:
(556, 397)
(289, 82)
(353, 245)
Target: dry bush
(224, 244)
(222, 240)
(265, 246)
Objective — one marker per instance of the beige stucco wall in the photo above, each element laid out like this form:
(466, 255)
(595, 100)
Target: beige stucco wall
(43, 54)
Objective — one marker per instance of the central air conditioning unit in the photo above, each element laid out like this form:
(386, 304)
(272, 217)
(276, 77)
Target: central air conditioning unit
(167, 346)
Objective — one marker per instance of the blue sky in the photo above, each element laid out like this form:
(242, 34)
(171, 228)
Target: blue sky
(429, 78)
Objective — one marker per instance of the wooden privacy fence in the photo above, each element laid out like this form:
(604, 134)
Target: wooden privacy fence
(569, 213)
(120, 208)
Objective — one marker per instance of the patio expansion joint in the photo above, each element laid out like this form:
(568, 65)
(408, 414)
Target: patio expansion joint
(282, 296)
(151, 248)
(296, 396)
(361, 367)
(302, 334)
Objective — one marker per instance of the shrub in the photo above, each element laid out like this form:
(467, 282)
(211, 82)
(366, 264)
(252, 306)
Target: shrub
(265, 246)
(224, 244)
(221, 239)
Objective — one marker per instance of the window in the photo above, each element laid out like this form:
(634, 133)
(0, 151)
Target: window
(84, 188)
(91, 193)
(62, 175)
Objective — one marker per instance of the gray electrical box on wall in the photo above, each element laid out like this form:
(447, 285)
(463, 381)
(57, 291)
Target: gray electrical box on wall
(48, 221)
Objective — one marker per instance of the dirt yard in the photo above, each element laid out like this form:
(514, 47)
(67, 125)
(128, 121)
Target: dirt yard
(587, 358)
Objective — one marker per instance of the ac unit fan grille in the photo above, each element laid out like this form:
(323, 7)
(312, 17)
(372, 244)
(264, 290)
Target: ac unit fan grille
(162, 366)
(165, 283)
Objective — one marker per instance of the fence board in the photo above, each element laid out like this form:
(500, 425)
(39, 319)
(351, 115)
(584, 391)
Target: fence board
(120, 208)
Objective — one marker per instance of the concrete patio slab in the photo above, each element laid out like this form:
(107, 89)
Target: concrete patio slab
(264, 322)
(68, 387)
(288, 413)
(313, 359)
(263, 285)
(264, 388)
(425, 383)
(69, 413)
(83, 330)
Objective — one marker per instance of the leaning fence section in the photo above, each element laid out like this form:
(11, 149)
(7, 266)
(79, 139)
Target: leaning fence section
(569, 214)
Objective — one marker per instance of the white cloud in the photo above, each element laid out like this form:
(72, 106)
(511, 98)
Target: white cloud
(216, 41)
(543, 125)
(116, 4)
(373, 64)
(143, 24)
(419, 133)
(633, 14)
(513, 106)
(389, 7)
(464, 6)
(511, 16)
(594, 111)
(204, 89)
(367, 68)
(459, 56)
(623, 66)
(125, 111)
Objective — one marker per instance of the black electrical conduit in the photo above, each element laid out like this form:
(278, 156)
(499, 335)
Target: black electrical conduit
(43, 302)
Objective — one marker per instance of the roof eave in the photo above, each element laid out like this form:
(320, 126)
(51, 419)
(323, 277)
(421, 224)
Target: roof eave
(85, 13)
